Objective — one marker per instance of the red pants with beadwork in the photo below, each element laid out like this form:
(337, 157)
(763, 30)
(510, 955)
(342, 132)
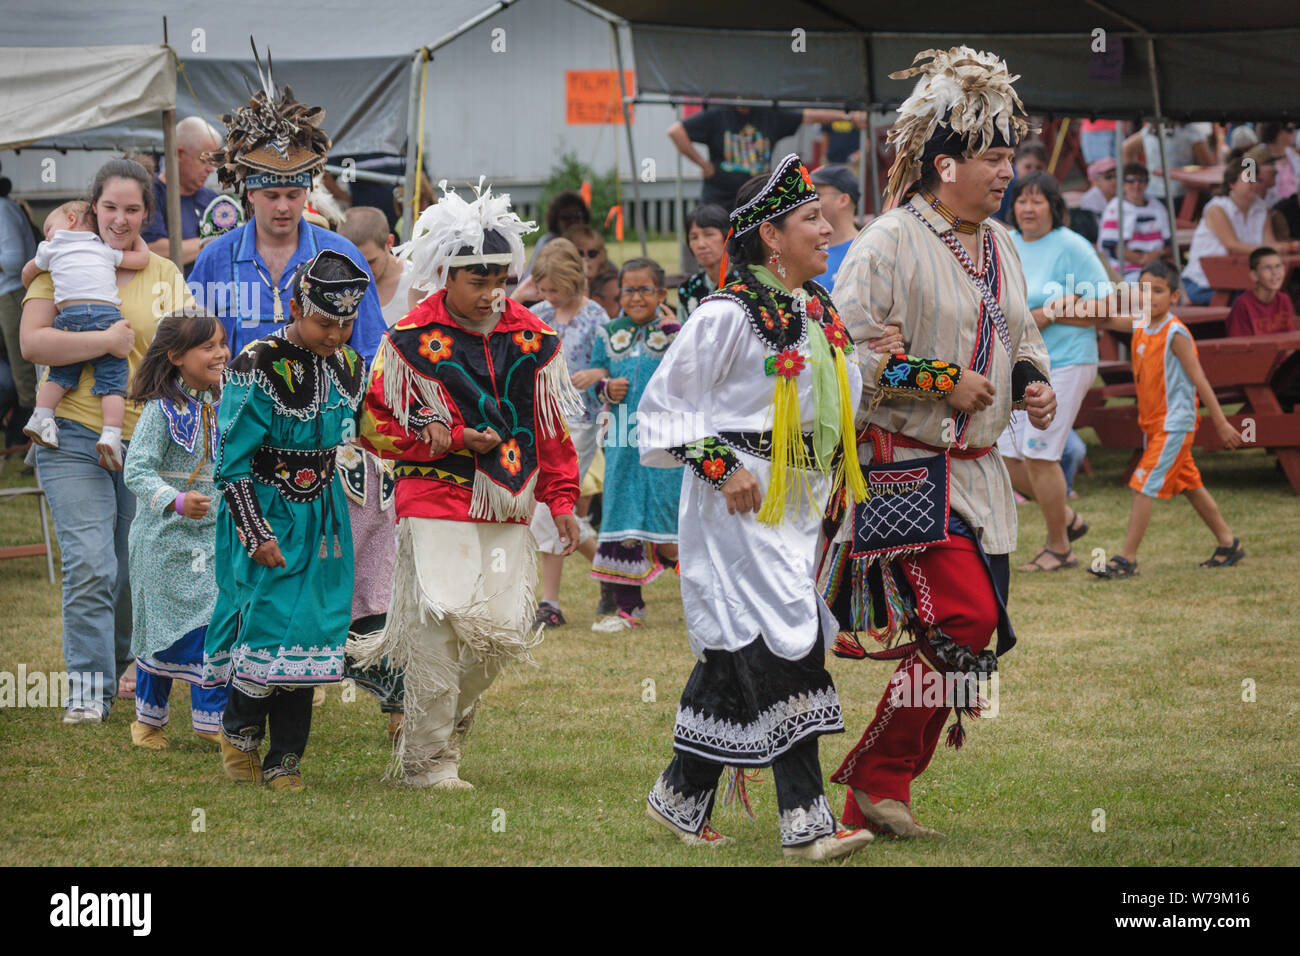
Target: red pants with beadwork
(952, 590)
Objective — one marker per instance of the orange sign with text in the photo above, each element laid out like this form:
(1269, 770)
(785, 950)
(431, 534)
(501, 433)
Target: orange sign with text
(594, 96)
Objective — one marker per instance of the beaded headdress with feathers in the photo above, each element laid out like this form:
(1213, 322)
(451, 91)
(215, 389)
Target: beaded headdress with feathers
(451, 224)
(962, 93)
(273, 141)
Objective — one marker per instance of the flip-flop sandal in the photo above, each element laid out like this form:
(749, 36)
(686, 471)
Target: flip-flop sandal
(1117, 567)
(1223, 557)
(1075, 532)
(1066, 560)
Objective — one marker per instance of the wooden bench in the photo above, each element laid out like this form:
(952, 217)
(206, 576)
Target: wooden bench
(1240, 369)
(1203, 321)
(1229, 274)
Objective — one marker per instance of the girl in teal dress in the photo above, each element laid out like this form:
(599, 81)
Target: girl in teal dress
(638, 524)
(284, 544)
(169, 470)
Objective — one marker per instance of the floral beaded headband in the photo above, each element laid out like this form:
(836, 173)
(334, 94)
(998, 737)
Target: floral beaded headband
(789, 187)
(337, 299)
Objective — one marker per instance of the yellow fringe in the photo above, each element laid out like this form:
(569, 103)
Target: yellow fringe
(850, 473)
(788, 454)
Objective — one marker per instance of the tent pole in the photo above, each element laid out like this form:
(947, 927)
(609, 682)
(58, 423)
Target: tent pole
(681, 202)
(172, 165)
(1160, 138)
(631, 150)
(412, 147)
(1119, 195)
(874, 161)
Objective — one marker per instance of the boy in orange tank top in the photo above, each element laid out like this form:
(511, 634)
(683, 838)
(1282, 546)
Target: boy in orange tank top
(1169, 378)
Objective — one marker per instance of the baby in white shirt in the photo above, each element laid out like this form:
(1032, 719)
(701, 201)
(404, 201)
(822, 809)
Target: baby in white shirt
(84, 271)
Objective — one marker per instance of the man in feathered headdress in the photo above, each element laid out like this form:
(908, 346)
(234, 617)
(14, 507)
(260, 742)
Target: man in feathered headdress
(949, 277)
(469, 394)
(274, 147)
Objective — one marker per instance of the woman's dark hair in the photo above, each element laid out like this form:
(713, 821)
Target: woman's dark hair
(5, 186)
(1269, 131)
(562, 203)
(494, 244)
(708, 216)
(1232, 170)
(643, 265)
(121, 169)
(177, 333)
(1046, 184)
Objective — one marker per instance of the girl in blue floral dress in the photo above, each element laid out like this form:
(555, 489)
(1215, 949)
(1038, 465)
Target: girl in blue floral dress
(169, 470)
(638, 523)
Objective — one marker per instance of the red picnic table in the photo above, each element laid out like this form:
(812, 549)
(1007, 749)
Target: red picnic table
(1229, 274)
(1195, 180)
(1240, 369)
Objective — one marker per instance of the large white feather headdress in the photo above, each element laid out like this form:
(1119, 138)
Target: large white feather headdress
(451, 224)
(975, 86)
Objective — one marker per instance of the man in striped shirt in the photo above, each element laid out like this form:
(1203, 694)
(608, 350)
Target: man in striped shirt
(1146, 225)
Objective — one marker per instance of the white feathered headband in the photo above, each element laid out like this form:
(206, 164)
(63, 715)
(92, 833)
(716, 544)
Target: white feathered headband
(451, 224)
(964, 103)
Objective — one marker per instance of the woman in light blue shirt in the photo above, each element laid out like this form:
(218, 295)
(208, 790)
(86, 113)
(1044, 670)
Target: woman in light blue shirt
(1062, 272)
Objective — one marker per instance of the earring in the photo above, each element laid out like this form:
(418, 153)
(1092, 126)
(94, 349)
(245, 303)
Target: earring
(775, 258)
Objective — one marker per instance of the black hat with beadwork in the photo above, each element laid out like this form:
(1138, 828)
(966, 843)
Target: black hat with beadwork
(787, 188)
(332, 285)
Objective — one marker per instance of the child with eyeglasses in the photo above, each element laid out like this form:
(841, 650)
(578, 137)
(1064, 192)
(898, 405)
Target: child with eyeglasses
(638, 529)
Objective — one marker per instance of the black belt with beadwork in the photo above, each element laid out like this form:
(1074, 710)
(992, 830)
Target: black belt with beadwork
(759, 444)
(299, 474)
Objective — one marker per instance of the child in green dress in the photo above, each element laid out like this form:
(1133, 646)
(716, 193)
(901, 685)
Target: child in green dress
(284, 543)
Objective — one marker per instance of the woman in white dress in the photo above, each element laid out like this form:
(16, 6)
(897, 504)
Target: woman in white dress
(756, 398)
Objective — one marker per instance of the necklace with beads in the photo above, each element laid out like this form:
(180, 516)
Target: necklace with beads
(963, 226)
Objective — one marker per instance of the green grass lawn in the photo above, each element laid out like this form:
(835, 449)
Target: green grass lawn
(1123, 697)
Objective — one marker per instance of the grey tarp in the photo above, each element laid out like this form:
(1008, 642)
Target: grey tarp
(350, 58)
(1214, 60)
(59, 91)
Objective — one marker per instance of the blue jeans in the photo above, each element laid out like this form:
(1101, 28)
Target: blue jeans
(1072, 457)
(92, 510)
(1196, 293)
(110, 371)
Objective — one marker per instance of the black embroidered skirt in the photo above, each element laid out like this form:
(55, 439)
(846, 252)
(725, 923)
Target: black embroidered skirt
(749, 706)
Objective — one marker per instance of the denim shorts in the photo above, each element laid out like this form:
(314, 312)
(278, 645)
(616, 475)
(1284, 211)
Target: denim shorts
(110, 371)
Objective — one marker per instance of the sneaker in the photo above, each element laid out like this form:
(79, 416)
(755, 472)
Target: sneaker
(706, 837)
(840, 843)
(109, 448)
(548, 615)
(83, 715)
(43, 431)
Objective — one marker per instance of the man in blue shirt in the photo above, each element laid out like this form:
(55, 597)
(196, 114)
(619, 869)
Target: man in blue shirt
(194, 137)
(244, 277)
(838, 190)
